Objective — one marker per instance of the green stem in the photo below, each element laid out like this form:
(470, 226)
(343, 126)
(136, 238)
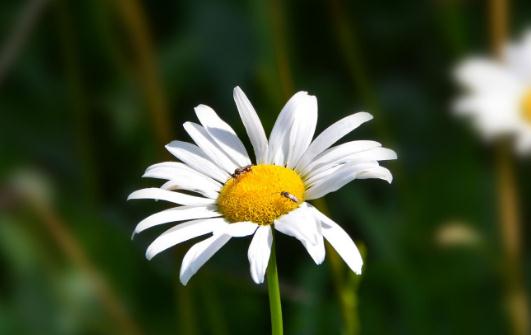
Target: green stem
(273, 290)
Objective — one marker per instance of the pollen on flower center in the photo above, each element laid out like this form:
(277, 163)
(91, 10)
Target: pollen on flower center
(526, 106)
(259, 195)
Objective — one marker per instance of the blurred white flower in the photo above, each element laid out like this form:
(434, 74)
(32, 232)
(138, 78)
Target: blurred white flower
(457, 233)
(226, 196)
(32, 184)
(498, 97)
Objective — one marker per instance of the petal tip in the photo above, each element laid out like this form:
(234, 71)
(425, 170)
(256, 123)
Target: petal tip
(366, 115)
(202, 108)
(184, 281)
(185, 276)
(257, 280)
(170, 145)
(390, 154)
(150, 253)
(237, 93)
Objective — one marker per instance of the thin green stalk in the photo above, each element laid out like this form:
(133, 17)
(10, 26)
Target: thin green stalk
(280, 44)
(77, 98)
(23, 26)
(354, 60)
(187, 321)
(273, 291)
(347, 294)
(214, 311)
(136, 25)
(187, 311)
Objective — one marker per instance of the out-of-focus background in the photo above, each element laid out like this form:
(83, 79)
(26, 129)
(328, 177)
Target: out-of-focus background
(90, 91)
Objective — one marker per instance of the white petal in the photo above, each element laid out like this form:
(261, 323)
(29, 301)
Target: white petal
(322, 174)
(376, 154)
(485, 75)
(239, 229)
(279, 138)
(376, 173)
(252, 125)
(301, 133)
(259, 252)
(372, 155)
(183, 232)
(484, 112)
(340, 241)
(337, 153)
(301, 224)
(317, 251)
(176, 214)
(166, 170)
(199, 254)
(345, 175)
(182, 177)
(523, 143)
(518, 56)
(193, 156)
(210, 147)
(298, 224)
(171, 196)
(189, 185)
(223, 134)
(169, 171)
(331, 135)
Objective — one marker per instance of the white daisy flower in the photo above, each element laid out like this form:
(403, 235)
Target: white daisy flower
(499, 93)
(221, 193)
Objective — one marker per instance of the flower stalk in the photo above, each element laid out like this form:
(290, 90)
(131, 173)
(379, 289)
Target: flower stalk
(517, 305)
(273, 290)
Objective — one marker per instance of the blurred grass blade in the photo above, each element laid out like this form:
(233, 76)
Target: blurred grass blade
(135, 23)
(74, 251)
(280, 44)
(26, 21)
(77, 99)
(356, 67)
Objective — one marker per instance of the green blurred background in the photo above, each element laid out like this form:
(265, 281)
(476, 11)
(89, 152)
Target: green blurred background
(91, 90)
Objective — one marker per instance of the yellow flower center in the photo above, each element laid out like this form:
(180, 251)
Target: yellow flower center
(526, 106)
(261, 194)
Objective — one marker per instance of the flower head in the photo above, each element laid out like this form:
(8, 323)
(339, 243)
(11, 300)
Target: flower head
(221, 193)
(498, 97)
